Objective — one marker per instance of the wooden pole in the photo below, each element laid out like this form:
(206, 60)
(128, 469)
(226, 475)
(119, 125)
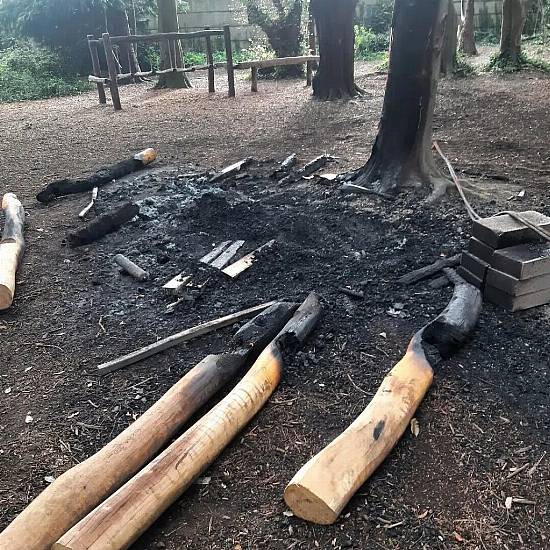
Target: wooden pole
(111, 65)
(12, 247)
(325, 484)
(96, 68)
(254, 79)
(312, 48)
(210, 63)
(76, 492)
(229, 57)
(131, 268)
(122, 518)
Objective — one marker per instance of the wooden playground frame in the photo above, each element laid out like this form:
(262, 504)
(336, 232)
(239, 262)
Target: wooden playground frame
(171, 39)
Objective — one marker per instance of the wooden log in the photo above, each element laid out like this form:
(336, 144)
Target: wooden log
(225, 257)
(324, 485)
(214, 253)
(103, 225)
(429, 270)
(99, 80)
(254, 79)
(106, 174)
(112, 68)
(122, 518)
(179, 338)
(229, 61)
(210, 64)
(12, 247)
(131, 268)
(278, 62)
(79, 490)
(96, 68)
(231, 169)
(90, 205)
(235, 269)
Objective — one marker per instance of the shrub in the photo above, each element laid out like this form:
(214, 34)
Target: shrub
(500, 64)
(31, 72)
(368, 43)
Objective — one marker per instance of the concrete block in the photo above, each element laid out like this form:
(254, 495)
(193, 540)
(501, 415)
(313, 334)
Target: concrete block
(516, 287)
(480, 250)
(469, 277)
(517, 303)
(503, 231)
(474, 265)
(523, 261)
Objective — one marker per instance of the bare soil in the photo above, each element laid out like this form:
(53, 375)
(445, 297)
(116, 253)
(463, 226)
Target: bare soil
(487, 412)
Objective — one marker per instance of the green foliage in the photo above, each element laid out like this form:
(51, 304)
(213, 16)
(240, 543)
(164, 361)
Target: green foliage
(369, 44)
(384, 65)
(32, 72)
(488, 37)
(380, 16)
(462, 67)
(504, 64)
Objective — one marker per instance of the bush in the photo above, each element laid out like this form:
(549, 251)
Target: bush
(500, 64)
(380, 16)
(31, 72)
(368, 43)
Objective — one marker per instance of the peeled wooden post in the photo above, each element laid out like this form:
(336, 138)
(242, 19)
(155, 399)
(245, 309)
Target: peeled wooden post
(229, 59)
(131, 268)
(312, 50)
(96, 68)
(321, 488)
(210, 63)
(254, 79)
(12, 247)
(129, 512)
(76, 492)
(113, 71)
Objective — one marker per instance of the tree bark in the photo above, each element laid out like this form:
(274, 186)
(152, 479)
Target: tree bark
(401, 154)
(283, 32)
(334, 78)
(448, 55)
(466, 38)
(513, 20)
(119, 25)
(168, 22)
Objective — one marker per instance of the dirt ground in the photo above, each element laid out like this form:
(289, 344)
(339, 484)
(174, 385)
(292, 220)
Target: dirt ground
(487, 412)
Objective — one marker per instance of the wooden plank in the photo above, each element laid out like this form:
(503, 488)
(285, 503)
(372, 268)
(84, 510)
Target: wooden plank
(123, 517)
(96, 68)
(177, 283)
(213, 254)
(225, 257)
(111, 65)
(235, 269)
(281, 61)
(157, 37)
(429, 270)
(229, 61)
(516, 287)
(179, 338)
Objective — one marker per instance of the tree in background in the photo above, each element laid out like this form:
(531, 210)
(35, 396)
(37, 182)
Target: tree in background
(466, 38)
(402, 154)
(513, 19)
(448, 54)
(334, 78)
(281, 21)
(168, 22)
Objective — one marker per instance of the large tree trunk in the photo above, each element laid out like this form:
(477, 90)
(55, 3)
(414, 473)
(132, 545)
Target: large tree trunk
(401, 154)
(513, 19)
(448, 55)
(334, 21)
(168, 22)
(466, 38)
(284, 32)
(119, 25)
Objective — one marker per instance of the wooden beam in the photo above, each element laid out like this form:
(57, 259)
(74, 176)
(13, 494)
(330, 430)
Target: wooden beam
(254, 79)
(176, 284)
(112, 67)
(123, 517)
(325, 484)
(12, 247)
(429, 270)
(99, 80)
(179, 338)
(210, 64)
(64, 502)
(281, 61)
(96, 68)
(235, 269)
(225, 257)
(229, 61)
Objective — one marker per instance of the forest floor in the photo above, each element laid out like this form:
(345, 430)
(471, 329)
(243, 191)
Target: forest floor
(487, 413)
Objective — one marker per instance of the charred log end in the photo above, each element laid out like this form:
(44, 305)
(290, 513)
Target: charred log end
(49, 193)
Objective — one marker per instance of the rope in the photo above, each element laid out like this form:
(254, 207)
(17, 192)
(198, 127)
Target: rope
(474, 216)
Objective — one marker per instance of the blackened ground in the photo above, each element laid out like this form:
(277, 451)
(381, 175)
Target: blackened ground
(487, 412)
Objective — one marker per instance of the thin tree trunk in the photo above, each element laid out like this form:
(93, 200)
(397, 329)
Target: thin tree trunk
(401, 154)
(334, 22)
(513, 20)
(466, 38)
(168, 22)
(448, 55)
(119, 25)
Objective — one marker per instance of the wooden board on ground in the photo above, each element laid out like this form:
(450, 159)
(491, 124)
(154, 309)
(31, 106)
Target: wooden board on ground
(225, 257)
(235, 269)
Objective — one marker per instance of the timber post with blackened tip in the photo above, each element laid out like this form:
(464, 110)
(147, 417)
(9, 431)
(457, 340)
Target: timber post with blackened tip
(229, 61)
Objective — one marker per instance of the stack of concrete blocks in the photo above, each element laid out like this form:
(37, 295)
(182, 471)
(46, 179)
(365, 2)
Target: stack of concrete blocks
(508, 261)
